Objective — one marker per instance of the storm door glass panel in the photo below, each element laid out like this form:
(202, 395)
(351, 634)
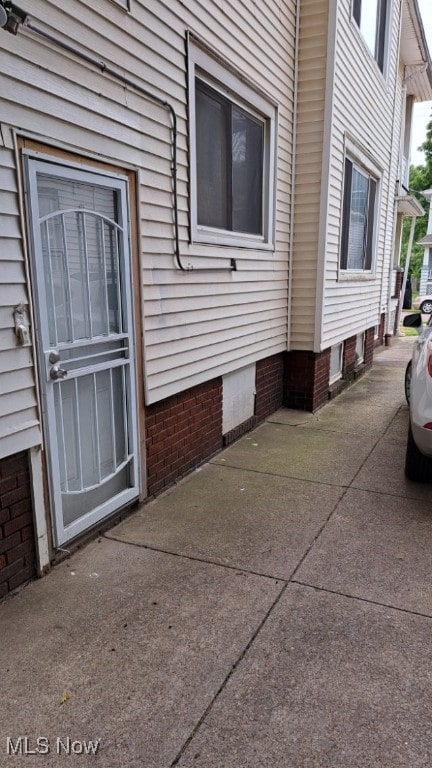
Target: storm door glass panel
(80, 251)
(94, 444)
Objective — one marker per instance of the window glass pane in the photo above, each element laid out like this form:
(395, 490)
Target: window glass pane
(368, 22)
(359, 348)
(247, 172)
(212, 159)
(358, 220)
(335, 363)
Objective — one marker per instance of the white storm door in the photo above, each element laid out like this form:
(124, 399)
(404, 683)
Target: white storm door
(81, 268)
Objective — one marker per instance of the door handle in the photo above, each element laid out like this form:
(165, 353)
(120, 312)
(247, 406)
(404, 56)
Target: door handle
(57, 373)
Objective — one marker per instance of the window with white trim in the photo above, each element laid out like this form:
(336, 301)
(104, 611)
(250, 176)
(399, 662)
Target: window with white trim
(358, 219)
(336, 361)
(370, 16)
(359, 350)
(232, 153)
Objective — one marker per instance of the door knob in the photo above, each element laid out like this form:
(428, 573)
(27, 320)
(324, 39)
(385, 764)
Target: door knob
(57, 373)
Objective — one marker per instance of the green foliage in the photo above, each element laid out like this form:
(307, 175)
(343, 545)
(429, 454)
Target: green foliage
(420, 179)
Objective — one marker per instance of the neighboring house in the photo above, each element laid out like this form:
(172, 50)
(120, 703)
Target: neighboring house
(426, 270)
(200, 205)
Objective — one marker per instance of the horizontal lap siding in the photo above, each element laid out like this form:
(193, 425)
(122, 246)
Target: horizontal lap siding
(309, 146)
(19, 425)
(196, 326)
(199, 326)
(367, 106)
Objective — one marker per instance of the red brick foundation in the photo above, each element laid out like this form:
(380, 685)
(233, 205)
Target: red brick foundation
(369, 346)
(181, 433)
(17, 544)
(269, 386)
(306, 378)
(306, 381)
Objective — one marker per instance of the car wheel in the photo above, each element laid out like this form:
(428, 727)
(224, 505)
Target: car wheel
(426, 306)
(408, 372)
(417, 466)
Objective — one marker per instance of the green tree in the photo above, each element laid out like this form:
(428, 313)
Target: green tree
(420, 178)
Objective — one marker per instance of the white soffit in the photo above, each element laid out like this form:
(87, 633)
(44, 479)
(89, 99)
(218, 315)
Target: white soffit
(409, 206)
(414, 53)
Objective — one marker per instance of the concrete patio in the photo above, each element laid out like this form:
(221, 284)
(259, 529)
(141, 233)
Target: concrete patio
(273, 609)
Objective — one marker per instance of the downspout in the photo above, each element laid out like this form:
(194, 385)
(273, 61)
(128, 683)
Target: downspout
(293, 171)
(114, 73)
(387, 330)
(326, 162)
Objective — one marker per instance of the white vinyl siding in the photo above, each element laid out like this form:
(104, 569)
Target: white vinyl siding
(201, 324)
(19, 424)
(309, 159)
(365, 112)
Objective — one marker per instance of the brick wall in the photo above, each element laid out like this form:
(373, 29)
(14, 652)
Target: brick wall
(182, 432)
(306, 379)
(17, 545)
(349, 358)
(269, 386)
(306, 384)
(398, 282)
(369, 345)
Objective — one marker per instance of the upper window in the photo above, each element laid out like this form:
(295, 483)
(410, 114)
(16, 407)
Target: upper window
(370, 16)
(232, 157)
(358, 221)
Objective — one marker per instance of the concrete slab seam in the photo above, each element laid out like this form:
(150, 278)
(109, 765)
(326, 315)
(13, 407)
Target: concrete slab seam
(227, 678)
(194, 558)
(360, 599)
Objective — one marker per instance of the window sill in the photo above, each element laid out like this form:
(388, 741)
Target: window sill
(356, 277)
(208, 237)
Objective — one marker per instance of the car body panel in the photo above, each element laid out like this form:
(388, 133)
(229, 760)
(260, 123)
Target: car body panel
(418, 301)
(421, 390)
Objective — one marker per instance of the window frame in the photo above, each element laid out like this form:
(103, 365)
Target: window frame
(365, 165)
(336, 362)
(221, 79)
(384, 10)
(360, 348)
(123, 4)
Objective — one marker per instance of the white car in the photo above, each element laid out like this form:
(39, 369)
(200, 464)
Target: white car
(418, 390)
(423, 303)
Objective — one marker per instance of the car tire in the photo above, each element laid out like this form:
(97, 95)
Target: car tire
(417, 467)
(426, 306)
(408, 372)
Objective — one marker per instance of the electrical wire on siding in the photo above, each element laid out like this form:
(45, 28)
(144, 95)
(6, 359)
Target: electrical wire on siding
(105, 69)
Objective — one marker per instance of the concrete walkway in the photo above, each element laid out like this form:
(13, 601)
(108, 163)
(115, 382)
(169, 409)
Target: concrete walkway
(274, 609)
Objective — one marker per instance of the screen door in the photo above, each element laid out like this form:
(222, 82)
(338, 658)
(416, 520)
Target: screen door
(81, 268)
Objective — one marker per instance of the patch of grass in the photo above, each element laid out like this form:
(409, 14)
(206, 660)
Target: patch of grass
(408, 331)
